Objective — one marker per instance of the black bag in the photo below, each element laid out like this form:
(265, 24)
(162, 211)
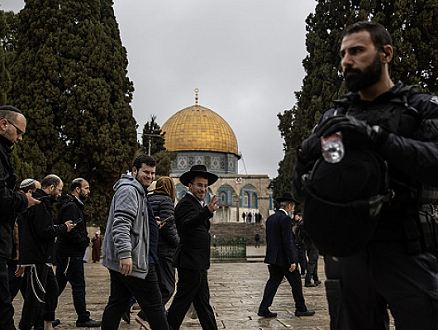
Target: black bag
(343, 201)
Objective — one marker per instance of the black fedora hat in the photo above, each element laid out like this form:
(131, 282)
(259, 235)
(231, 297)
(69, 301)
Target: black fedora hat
(196, 170)
(287, 197)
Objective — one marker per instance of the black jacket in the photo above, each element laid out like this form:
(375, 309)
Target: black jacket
(37, 233)
(192, 222)
(11, 202)
(73, 243)
(280, 245)
(163, 207)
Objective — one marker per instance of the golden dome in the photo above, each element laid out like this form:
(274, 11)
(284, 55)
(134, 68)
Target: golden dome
(199, 128)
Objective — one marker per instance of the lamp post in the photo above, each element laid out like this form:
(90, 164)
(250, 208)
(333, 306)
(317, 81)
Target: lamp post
(150, 139)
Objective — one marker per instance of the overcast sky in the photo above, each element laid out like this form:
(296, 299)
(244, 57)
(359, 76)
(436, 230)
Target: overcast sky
(245, 56)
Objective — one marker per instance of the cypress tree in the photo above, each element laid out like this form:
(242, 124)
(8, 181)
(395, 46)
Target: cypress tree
(70, 81)
(412, 25)
(7, 24)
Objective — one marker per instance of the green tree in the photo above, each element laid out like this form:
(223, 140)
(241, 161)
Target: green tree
(153, 143)
(413, 27)
(70, 82)
(152, 137)
(7, 26)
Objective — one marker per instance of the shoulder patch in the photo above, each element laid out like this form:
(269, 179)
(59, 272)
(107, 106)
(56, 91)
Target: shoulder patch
(434, 99)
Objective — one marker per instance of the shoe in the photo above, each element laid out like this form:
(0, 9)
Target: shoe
(267, 314)
(318, 282)
(88, 324)
(309, 285)
(142, 322)
(305, 313)
(126, 316)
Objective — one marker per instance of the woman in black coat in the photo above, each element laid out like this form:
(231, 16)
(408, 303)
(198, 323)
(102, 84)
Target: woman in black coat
(162, 202)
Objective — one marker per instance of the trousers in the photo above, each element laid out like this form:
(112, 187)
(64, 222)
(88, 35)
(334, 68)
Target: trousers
(192, 287)
(71, 269)
(384, 275)
(276, 275)
(41, 296)
(148, 296)
(6, 308)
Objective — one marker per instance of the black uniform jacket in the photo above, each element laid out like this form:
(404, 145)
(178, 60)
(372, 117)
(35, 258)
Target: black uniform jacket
(193, 224)
(11, 202)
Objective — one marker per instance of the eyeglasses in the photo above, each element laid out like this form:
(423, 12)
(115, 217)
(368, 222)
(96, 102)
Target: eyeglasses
(19, 131)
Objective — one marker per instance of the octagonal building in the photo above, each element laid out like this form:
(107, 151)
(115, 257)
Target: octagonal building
(200, 136)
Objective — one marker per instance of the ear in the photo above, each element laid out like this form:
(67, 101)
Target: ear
(3, 124)
(387, 53)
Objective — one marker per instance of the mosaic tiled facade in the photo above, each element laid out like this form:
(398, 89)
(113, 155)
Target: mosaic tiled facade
(218, 163)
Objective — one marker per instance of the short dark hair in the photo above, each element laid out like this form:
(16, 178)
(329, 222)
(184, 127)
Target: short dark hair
(144, 159)
(9, 112)
(50, 180)
(76, 183)
(379, 35)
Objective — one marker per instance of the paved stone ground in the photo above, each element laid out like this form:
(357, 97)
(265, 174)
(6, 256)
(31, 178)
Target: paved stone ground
(236, 291)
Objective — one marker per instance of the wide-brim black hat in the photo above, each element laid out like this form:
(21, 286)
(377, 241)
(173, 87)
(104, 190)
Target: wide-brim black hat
(287, 197)
(196, 170)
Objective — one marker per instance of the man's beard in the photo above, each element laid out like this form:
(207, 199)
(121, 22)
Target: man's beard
(363, 79)
(82, 196)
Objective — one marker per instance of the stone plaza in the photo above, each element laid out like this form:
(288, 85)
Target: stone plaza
(236, 291)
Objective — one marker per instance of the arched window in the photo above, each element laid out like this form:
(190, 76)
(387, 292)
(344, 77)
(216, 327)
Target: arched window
(249, 197)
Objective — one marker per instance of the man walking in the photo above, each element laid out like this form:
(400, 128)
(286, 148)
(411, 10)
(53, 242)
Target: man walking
(71, 248)
(282, 257)
(130, 248)
(192, 258)
(12, 129)
(37, 254)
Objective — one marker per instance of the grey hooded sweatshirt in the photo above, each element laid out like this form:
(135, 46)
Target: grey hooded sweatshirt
(127, 230)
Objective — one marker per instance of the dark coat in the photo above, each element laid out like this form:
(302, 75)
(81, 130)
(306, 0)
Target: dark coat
(280, 245)
(11, 202)
(163, 207)
(73, 243)
(192, 222)
(37, 233)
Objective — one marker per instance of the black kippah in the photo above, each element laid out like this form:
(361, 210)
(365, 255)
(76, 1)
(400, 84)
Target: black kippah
(10, 108)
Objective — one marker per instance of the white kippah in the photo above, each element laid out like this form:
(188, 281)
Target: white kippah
(26, 183)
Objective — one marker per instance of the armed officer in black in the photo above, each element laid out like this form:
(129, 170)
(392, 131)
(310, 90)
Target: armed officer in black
(398, 267)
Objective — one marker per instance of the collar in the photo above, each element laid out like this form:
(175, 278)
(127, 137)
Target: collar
(200, 202)
(9, 146)
(284, 211)
(389, 94)
(80, 202)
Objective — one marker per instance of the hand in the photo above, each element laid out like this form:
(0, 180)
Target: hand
(353, 130)
(212, 205)
(19, 271)
(126, 266)
(30, 200)
(70, 225)
(310, 149)
(292, 267)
